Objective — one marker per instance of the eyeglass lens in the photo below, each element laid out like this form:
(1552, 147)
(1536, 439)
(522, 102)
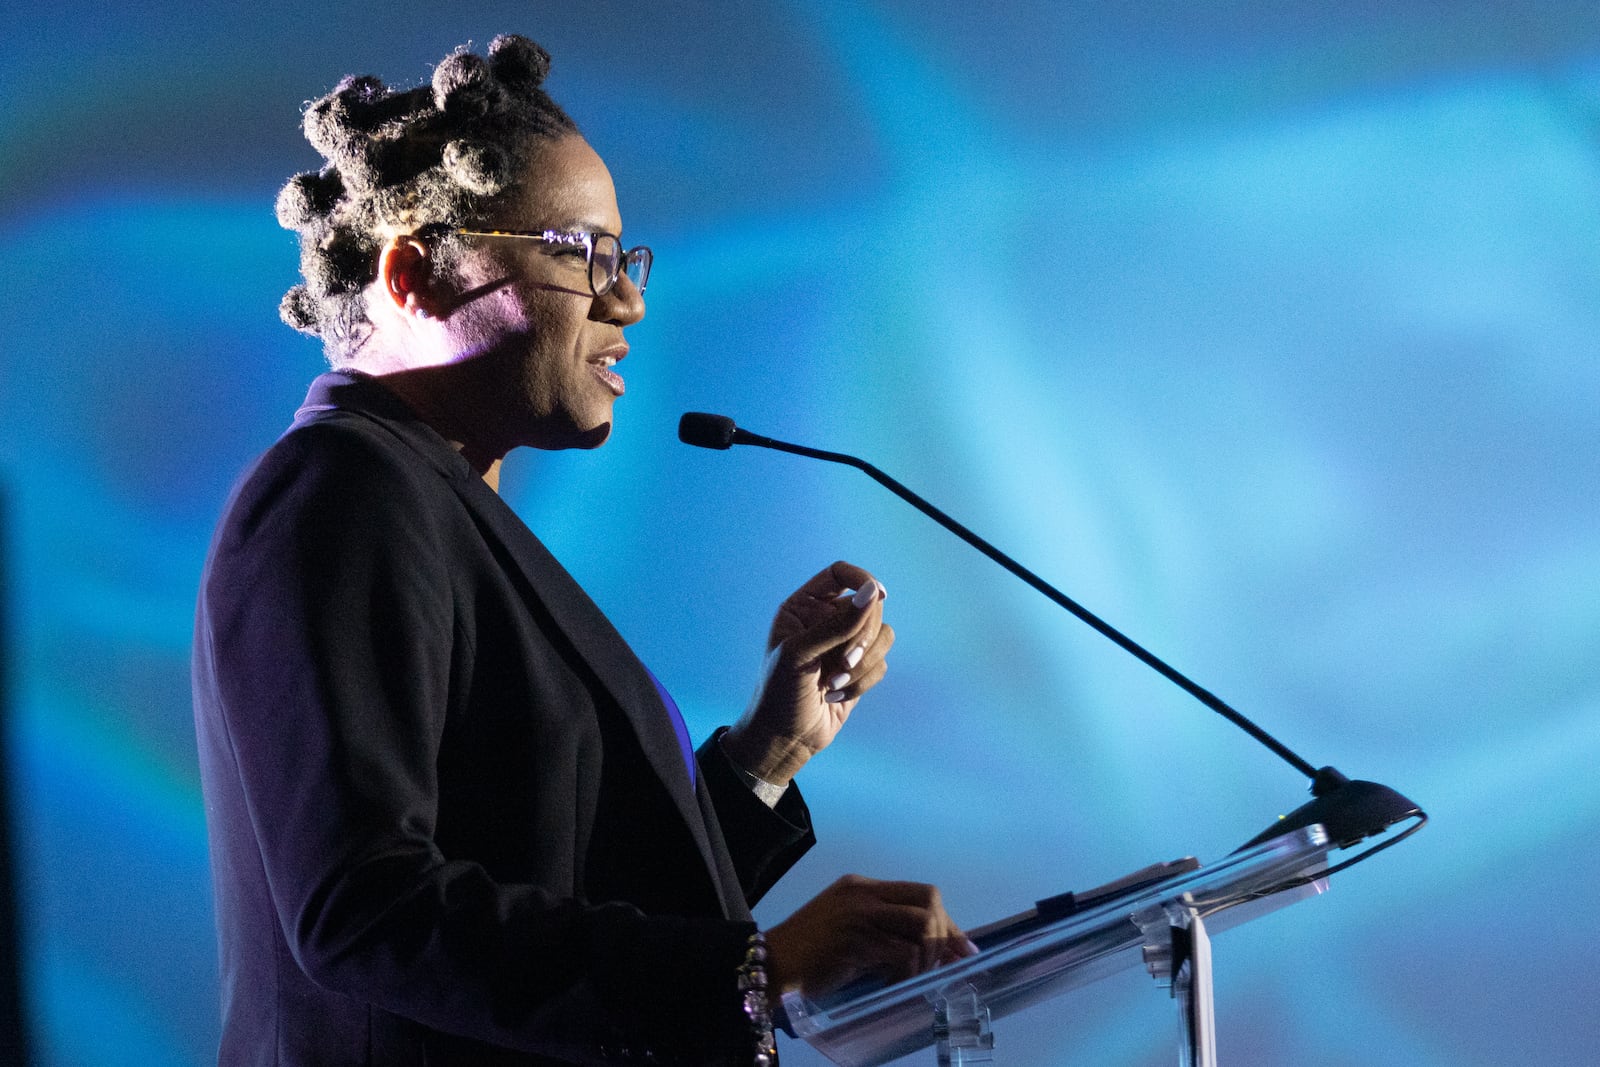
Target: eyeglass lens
(607, 261)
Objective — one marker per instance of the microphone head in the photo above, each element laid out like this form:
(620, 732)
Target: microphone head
(706, 431)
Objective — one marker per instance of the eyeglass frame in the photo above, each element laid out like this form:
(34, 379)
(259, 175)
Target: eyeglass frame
(586, 238)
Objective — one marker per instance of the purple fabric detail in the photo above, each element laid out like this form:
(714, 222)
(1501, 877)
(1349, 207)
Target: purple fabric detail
(678, 726)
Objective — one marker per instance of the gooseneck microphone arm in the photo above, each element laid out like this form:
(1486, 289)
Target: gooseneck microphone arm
(1349, 810)
(711, 431)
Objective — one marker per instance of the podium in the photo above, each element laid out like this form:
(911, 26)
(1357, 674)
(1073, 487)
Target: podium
(1165, 925)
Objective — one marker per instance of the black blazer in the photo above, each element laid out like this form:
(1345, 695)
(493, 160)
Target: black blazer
(450, 820)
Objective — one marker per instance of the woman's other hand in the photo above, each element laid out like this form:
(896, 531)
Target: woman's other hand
(860, 926)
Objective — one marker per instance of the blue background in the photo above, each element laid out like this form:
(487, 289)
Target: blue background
(1267, 330)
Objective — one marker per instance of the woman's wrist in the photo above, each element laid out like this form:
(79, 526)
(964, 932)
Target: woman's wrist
(769, 793)
(769, 760)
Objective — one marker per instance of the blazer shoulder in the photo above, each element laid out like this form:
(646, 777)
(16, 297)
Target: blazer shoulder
(352, 448)
(336, 471)
(352, 441)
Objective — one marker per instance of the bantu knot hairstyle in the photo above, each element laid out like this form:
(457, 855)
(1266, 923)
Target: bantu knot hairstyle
(438, 153)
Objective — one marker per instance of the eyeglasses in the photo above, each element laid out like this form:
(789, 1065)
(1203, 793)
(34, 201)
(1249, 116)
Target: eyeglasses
(602, 254)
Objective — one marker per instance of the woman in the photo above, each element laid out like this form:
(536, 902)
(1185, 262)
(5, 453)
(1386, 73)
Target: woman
(453, 818)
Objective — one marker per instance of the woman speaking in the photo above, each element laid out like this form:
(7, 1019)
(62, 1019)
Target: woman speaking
(453, 818)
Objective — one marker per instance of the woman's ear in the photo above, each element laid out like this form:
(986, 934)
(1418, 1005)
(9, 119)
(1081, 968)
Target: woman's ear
(405, 275)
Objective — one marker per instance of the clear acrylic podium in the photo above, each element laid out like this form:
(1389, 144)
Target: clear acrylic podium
(1165, 925)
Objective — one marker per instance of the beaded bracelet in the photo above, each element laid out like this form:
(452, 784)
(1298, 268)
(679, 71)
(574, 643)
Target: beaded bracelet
(752, 975)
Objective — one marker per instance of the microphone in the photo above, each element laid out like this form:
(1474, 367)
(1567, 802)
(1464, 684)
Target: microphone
(718, 431)
(1349, 810)
(707, 431)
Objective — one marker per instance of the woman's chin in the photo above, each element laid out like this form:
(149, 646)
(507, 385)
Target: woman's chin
(595, 437)
(575, 437)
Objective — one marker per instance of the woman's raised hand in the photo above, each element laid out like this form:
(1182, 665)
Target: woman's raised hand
(827, 647)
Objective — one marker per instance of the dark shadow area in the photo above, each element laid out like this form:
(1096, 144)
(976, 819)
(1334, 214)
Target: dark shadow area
(13, 1021)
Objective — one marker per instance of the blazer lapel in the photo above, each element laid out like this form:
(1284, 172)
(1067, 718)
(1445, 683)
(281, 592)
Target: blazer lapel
(583, 623)
(614, 663)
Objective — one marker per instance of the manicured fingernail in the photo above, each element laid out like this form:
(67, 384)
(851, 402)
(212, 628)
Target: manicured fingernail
(835, 697)
(839, 681)
(883, 591)
(853, 657)
(866, 594)
(972, 947)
